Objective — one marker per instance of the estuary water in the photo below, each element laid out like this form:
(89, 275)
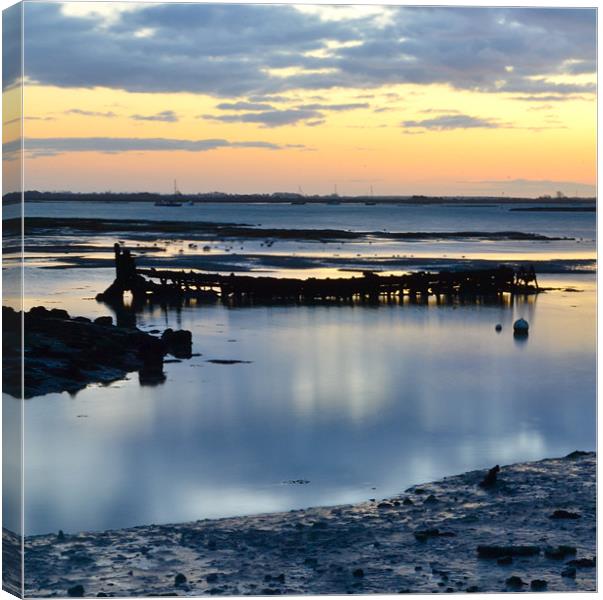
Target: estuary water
(330, 404)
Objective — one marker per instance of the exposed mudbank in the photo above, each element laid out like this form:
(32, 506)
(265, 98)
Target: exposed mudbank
(532, 528)
(63, 226)
(66, 354)
(250, 262)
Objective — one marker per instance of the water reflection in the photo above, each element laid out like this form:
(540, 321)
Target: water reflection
(348, 398)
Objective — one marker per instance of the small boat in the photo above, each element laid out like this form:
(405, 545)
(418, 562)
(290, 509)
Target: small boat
(171, 202)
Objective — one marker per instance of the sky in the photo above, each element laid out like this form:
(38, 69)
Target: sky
(287, 98)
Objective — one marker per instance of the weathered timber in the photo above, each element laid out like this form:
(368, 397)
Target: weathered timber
(165, 284)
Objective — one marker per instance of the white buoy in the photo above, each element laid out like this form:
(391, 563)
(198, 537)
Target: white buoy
(520, 327)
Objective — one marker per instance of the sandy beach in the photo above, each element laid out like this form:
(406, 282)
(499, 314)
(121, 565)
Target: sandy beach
(534, 529)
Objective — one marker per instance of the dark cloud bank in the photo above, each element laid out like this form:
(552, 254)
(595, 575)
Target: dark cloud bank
(228, 50)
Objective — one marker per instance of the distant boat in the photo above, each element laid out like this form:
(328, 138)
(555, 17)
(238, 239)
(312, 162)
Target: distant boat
(171, 202)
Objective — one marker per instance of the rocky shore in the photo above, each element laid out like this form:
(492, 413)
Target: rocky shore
(529, 527)
(64, 353)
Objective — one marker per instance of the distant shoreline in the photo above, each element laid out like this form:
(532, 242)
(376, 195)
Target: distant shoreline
(532, 529)
(284, 198)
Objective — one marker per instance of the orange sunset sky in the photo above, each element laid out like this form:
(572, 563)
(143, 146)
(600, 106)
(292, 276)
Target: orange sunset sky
(250, 98)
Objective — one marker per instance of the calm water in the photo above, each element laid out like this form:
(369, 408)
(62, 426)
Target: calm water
(362, 402)
(403, 217)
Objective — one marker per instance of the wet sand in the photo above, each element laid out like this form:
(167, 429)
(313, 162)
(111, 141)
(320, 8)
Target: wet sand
(536, 528)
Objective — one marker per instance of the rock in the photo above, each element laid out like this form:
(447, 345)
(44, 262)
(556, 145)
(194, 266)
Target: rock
(521, 327)
(105, 321)
(489, 479)
(310, 562)
(58, 313)
(77, 591)
(576, 454)
(486, 551)
(564, 514)
(270, 592)
(60, 536)
(384, 505)
(358, 573)
(431, 499)
(559, 552)
(212, 545)
(212, 578)
(504, 560)
(424, 534)
(538, 585)
(569, 572)
(151, 352)
(101, 595)
(280, 578)
(472, 589)
(515, 582)
(407, 502)
(39, 312)
(83, 320)
(498, 327)
(583, 562)
(178, 343)
(180, 579)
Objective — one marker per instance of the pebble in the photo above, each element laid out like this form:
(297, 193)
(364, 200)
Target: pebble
(515, 582)
(569, 572)
(77, 591)
(538, 585)
(564, 514)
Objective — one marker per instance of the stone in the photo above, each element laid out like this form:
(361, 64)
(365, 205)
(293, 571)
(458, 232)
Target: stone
(569, 572)
(514, 582)
(104, 321)
(559, 552)
(505, 560)
(487, 551)
(76, 591)
(564, 514)
(180, 579)
(212, 578)
(178, 343)
(583, 562)
(489, 479)
(538, 585)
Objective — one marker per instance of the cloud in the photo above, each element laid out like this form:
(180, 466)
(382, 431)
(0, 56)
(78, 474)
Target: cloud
(268, 118)
(37, 147)
(232, 50)
(165, 116)
(90, 113)
(335, 107)
(18, 119)
(448, 122)
(244, 106)
(549, 98)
